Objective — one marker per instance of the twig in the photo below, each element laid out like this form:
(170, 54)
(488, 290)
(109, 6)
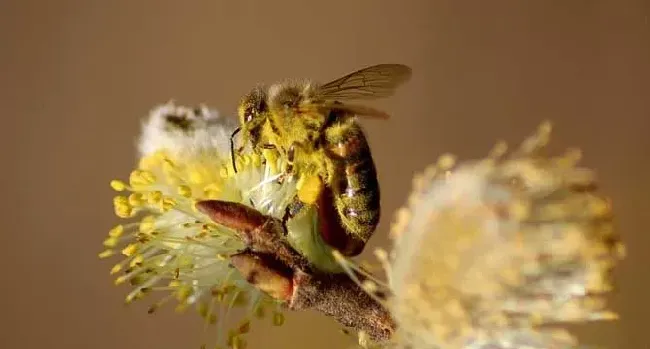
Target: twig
(272, 265)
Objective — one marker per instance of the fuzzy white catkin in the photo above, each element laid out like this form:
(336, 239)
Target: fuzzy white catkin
(486, 252)
(206, 130)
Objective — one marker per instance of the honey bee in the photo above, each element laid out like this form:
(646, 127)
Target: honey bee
(315, 128)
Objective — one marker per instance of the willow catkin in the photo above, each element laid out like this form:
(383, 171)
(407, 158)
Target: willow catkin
(487, 252)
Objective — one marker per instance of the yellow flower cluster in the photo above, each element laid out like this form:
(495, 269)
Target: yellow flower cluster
(170, 247)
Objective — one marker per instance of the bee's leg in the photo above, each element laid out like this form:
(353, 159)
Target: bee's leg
(291, 155)
(291, 211)
(232, 148)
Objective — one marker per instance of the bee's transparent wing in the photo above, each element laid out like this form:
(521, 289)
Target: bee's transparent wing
(377, 81)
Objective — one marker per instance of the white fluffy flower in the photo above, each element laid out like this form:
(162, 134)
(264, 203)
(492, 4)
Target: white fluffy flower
(171, 247)
(499, 253)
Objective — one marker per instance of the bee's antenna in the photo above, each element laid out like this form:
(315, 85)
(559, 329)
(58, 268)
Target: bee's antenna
(232, 147)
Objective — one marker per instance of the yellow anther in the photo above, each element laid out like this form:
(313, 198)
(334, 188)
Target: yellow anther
(110, 242)
(147, 225)
(168, 204)
(136, 261)
(184, 191)
(195, 176)
(134, 296)
(148, 177)
(149, 162)
(183, 293)
(202, 309)
(141, 178)
(136, 199)
(256, 160)
(121, 279)
(260, 311)
(130, 250)
(170, 172)
(118, 185)
(120, 200)
(225, 172)
(211, 194)
(135, 179)
(181, 307)
(278, 319)
(117, 231)
(155, 197)
(116, 268)
(446, 161)
(122, 208)
(106, 253)
(124, 211)
(239, 162)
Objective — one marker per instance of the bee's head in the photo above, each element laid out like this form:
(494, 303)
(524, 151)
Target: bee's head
(252, 109)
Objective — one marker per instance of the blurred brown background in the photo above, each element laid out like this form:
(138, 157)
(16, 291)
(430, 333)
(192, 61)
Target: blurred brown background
(77, 76)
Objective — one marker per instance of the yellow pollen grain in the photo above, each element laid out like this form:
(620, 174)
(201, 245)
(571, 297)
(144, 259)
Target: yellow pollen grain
(118, 185)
